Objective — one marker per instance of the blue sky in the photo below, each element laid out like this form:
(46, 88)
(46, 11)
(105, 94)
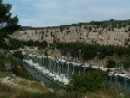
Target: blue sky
(61, 12)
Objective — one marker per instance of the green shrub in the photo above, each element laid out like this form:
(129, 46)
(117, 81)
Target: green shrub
(18, 54)
(111, 64)
(91, 81)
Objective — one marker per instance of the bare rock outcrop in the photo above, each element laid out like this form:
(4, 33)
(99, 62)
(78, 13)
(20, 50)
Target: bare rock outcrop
(78, 33)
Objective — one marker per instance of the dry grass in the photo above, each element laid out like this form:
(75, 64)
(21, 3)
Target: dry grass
(109, 93)
(33, 89)
(16, 86)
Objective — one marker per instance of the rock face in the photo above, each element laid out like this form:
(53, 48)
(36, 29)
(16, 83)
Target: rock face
(78, 33)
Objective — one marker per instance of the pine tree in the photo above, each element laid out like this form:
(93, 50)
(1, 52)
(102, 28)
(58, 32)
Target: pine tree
(8, 24)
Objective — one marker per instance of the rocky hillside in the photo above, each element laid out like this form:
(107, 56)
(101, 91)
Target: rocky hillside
(103, 32)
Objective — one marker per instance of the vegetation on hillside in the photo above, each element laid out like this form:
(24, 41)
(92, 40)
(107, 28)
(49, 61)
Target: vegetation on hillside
(86, 51)
(94, 84)
(93, 80)
(104, 23)
(10, 92)
(7, 63)
(18, 54)
(80, 50)
(89, 51)
(111, 64)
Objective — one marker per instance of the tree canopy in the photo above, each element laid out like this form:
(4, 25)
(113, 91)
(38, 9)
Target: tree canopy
(8, 24)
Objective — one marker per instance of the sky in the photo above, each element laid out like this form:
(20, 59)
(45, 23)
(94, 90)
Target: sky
(40, 13)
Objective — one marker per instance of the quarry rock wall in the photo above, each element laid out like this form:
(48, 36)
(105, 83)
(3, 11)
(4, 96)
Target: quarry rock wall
(80, 33)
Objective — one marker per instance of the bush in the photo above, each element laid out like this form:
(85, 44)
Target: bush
(91, 81)
(126, 63)
(2, 65)
(18, 54)
(111, 64)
